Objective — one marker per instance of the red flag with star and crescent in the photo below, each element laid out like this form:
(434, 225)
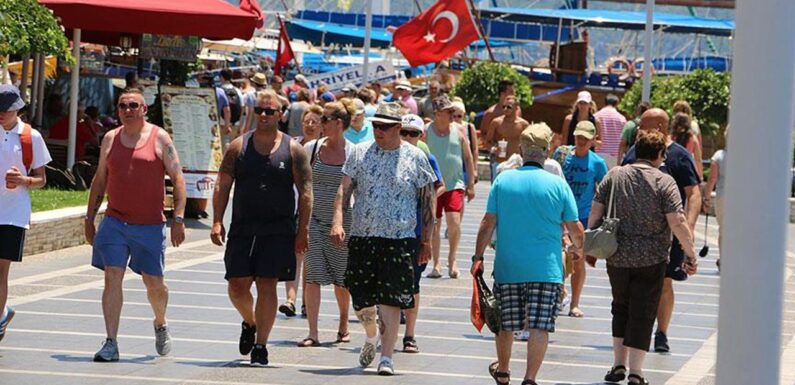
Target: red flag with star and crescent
(284, 51)
(437, 33)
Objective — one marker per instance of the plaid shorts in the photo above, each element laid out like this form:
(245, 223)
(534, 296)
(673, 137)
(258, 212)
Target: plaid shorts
(528, 305)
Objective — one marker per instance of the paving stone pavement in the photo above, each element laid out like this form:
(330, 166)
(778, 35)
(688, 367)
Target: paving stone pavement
(59, 326)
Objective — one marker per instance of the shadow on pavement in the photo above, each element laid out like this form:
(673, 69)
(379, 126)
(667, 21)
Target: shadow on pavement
(74, 358)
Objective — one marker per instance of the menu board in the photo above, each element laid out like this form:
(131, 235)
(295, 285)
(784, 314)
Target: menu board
(190, 115)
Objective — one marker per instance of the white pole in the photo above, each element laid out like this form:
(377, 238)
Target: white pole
(73, 95)
(40, 94)
(755, 228)
(368, 27)
(646, 94)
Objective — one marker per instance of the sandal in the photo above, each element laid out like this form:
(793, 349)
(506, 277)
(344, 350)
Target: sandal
(529, 382)
(616, 374)
(288, 309)
(309, 342)
(410, 345)
(637, 380)
(497, 375)
(434, 274)
(454, 274)
(576, 313)
(343, 337)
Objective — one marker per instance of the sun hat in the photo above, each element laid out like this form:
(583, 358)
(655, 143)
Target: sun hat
(538, 135)
(387, 113)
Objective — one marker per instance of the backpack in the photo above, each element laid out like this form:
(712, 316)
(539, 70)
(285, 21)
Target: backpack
(26, 140)
(235, 104)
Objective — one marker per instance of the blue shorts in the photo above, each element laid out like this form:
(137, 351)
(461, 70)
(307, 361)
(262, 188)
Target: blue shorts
(142, 246)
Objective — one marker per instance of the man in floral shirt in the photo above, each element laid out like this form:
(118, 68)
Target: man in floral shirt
(386, 177)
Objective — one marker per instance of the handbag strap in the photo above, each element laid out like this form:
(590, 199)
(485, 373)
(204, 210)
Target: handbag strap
(610, 210)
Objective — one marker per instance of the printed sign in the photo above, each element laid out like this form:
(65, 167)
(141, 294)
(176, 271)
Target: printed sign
(190, 115)
(379, 71)
(170, 47)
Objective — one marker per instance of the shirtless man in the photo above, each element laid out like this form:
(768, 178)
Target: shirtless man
(507, 127)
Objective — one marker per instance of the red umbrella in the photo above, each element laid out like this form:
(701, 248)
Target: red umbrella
(104, 21)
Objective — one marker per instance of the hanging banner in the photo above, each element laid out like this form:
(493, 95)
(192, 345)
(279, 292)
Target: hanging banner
(170, 47)
(379, 71)
(190, 115)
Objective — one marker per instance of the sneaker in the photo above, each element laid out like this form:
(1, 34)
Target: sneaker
(108, 353)
(247, 336)
(367, 355)
(288, 309)
(162, 340)
(259, 356)
(4, 322)
(661, 343)
(385, 368)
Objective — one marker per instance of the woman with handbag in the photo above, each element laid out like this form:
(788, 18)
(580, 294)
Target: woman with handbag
(644, 208)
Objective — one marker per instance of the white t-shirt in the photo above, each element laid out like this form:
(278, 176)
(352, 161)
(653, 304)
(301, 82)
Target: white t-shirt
(15, 204)
(515, 161)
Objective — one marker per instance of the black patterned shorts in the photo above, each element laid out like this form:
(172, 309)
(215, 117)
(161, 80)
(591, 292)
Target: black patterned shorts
(529, 305)
(380, 271)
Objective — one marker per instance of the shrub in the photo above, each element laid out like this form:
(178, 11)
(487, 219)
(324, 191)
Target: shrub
(478, 85)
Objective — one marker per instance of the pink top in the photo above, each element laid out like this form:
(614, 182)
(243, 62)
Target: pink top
(136, 182)
(612, 123)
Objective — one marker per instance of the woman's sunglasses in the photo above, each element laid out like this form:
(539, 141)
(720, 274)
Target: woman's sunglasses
(267, 111)
(410, 133)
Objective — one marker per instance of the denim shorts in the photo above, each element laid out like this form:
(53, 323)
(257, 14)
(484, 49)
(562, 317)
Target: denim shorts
(118, 244)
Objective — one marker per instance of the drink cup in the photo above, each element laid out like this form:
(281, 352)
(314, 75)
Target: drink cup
(10, 185)
(503, 146)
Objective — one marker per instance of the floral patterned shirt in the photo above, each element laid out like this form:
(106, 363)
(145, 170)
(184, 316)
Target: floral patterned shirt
(385, 193)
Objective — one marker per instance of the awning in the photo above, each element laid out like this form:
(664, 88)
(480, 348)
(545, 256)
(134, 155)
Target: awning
(671, 23)
(104, 21)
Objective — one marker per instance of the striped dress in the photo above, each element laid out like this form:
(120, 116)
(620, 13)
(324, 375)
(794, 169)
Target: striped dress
(325, 263)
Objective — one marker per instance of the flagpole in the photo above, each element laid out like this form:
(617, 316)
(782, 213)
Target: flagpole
(480, 29)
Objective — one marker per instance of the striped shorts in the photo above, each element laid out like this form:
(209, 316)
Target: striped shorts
(528, 305)
(324, 263)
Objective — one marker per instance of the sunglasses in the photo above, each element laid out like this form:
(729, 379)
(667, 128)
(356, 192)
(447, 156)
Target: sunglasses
(267, 111)
(132, 106)
(325, 119)
(384, 126)
(458, 116)
(412, 134)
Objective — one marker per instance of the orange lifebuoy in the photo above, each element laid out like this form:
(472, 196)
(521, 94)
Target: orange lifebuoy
(637, 67)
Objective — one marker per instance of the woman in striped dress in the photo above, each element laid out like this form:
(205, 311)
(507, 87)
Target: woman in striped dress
(325, 263)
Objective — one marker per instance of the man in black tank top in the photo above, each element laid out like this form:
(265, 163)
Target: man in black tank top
(264, 237)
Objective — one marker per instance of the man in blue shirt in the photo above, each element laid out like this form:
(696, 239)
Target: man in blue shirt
(679, 164)
(583, 170)
(529, 204)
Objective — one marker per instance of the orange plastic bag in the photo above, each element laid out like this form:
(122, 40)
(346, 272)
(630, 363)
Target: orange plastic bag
(475, 313)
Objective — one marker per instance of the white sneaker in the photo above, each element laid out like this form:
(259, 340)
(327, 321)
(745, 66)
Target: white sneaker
(385, 368)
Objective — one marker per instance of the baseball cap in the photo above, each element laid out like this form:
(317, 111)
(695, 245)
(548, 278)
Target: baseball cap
(584, 96)
(387, 113)
(585, 129)
(404, 85)
(538, 135)
(300, 78)
(327, 97)
(442, 102)
(460, 106)
(413, 122)
(359, 104)
(350, 87)
(10, 99)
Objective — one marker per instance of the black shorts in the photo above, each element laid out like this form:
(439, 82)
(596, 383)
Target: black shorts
(269, 256)
(674, 269)
(418, 270)
(12, 242)
(636, 295)
(381, 271)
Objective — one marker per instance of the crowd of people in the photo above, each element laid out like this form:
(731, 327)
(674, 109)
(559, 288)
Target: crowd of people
(349, 189)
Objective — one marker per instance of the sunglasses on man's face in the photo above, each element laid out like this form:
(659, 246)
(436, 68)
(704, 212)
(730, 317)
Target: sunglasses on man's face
(383, 126)
(326, 118)
(132, 106)
(268, 111)
(410, 133)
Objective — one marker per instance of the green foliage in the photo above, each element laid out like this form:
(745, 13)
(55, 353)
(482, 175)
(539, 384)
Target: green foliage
(478, 85)
(28, 27)
(51, 199)
(707, 92)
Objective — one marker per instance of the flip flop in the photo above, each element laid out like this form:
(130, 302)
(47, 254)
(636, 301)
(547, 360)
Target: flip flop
(434, 274)
(309, 343)
(576, 313)
(287, 309)
(343, 337)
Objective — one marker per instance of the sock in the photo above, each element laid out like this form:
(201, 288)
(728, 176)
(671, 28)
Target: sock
(373, 340)
(386, 359)
(5, 313)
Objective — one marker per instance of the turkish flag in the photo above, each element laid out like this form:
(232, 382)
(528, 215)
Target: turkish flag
(252, 7)
(284, 52)
(437, 33)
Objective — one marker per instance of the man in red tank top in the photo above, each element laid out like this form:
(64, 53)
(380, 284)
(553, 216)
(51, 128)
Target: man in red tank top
(133, 161)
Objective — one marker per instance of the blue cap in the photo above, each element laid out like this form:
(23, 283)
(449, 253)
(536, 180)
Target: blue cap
(328, 97)
(10, 99)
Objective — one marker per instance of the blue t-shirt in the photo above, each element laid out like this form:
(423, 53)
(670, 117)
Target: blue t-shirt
(678, 163)
(435, 167)
(365, 134)
(583, 175)
(530, 204)
(222, 100)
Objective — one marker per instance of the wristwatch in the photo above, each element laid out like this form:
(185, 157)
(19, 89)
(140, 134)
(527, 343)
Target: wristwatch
(476, 258)
(179, 219)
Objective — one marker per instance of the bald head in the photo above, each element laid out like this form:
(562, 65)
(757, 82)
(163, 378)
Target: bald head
(654, 119)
